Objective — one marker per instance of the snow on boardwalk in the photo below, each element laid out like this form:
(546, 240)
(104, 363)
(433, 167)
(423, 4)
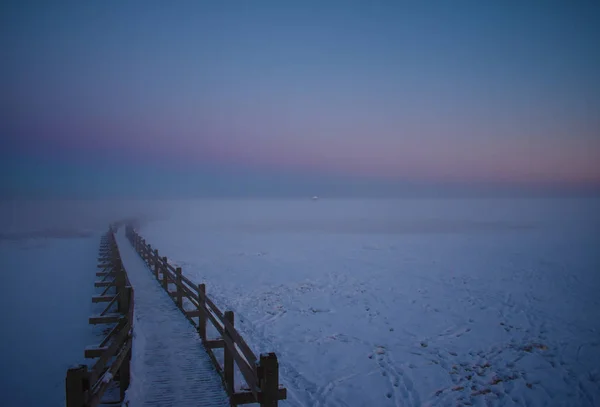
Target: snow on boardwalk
(169, 364)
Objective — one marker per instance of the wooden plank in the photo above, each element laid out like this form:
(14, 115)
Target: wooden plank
(237, 339)
(104, 283)
(188, 284)
(107, 276)
(105, 290)
(104, 273)
(109, 304)
(214, 343)
(75, 386)
(100, 386)
(185, 290)
(201, 306)
(179, 284)
(241, 343)
(125, 373)
(228, 361)
(269, 379)
(115, 329)
(218, 326)
(105, 319)
(188, 281)
(165, 275)
(102, 298)
(247, 397)
(195, 313)
(248, 371)
(114, 347)
(104, 265)
(94, 351)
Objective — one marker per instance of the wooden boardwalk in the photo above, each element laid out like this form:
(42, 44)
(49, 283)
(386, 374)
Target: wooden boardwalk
(169, 365)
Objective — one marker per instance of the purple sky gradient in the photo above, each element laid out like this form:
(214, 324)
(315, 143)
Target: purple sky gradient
(465, 93)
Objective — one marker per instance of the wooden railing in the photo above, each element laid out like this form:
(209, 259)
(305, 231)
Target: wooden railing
(261, 374)
(87, 387)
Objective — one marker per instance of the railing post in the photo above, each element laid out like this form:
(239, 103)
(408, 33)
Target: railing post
(165, 280)
(125, 374)
(156, 263)
(269, 380)
(77, 385)
(124, 297)
(149, 255)
(125, 368)
(123, 303)
(202, 311)
(228, 359)
(114, 256)
(179, 283)
(117, 269)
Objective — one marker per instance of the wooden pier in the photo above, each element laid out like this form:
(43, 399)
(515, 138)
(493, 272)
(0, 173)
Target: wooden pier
(177, 355)
(261, 374)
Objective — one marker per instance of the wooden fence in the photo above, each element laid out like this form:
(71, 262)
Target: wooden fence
(87, 387)
(261, 374)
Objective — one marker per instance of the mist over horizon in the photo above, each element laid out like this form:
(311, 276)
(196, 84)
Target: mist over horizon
(31, 178)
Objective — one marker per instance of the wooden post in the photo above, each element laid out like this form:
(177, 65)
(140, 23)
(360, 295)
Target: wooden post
(125, 374)
(125, 368)
(156, 263)
(228, 360)
(165, 270)
(269, 380)
(114, 258)
(149, 255)
(202, 309)
(77, 385)
(124, 298)
(179, 284)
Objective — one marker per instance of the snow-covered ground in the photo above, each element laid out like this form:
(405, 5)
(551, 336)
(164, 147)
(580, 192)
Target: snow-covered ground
(367, 303)
(406, 302)
(46, 301)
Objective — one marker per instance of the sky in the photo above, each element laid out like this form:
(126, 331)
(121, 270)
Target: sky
(253, 98)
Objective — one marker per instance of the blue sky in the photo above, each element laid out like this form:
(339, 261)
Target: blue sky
(433, 92)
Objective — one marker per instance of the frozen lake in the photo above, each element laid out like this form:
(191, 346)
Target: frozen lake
(406, 302)
(46, 301)
(366, 302)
